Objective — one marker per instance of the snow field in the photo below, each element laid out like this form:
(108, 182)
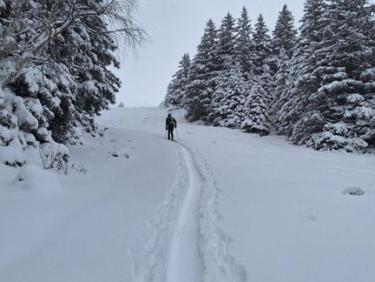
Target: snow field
(217, 205)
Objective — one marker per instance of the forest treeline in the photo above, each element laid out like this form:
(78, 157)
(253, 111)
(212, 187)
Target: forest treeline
(314, 84)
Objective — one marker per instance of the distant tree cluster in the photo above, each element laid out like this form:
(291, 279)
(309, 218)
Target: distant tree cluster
(54, 76)
(316, 86)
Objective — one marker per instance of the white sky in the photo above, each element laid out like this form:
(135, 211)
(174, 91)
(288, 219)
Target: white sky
(175, 27)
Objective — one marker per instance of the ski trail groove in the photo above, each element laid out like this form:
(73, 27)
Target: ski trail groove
(183, 241)
(185, 262)
(217, 263)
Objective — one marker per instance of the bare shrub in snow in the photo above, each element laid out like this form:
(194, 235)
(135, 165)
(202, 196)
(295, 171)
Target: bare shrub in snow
(54, 157)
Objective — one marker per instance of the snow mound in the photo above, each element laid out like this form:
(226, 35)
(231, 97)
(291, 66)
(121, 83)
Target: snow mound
(13, 154)
(354, 191)
(32, 177)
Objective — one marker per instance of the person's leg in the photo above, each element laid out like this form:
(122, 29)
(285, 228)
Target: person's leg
(169, 134)
(172, 135)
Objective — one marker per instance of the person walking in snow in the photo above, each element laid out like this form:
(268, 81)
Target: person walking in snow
(170, 125)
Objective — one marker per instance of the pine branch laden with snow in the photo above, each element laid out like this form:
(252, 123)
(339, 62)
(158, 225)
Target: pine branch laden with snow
(54, 68)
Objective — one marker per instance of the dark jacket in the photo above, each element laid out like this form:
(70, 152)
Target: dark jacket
(170, 123)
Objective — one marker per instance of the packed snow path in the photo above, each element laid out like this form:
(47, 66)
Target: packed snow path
(183, 241)
(185, 263)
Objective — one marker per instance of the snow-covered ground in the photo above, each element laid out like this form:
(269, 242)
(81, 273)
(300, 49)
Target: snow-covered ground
(217, 205)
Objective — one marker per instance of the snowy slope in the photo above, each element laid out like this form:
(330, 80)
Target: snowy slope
(217, 205)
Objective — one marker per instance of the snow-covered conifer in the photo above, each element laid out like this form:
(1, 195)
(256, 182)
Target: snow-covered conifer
(335, 104)
(229, 99)
(177, 87)
(244, 46)
(262, 45)
(289, 104)
(284, 34)
(200, 84)
(225, 48)
(225, 62)
(53, 71)
(283, 43)
(257, 112)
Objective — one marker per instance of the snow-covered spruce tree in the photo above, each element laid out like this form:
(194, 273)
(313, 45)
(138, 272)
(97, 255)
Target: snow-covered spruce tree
(232, 89)
(282, 82)
(244, 45)
(262, 76)
(225, 61)
(262, 45)
(200, 84)
(262, 57)
(53, 71)
(284, 34)
(257, 112)
(283, 43)
(338, 104)
(290, 104)
(177, 87)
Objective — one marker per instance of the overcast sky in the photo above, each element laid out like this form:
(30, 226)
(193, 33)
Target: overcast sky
(175, 27)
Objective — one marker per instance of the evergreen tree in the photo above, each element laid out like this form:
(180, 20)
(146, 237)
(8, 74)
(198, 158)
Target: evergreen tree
(200, 84)
(335, 109)
(263, 75)
(54, 76)
(229, 99)
(225, 61)
(177, 87)
(282, 84)
(225, 48)
(284, 34)
(244, 45)
(313, 21)
(257, 112)
(290, 103)
(283, 46)
(262, 45)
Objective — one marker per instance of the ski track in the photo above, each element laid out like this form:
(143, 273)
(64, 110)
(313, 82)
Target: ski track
(183, 242)
(185, 261)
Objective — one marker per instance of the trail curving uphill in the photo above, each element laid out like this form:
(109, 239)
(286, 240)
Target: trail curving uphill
(185, 262)
(183, 242)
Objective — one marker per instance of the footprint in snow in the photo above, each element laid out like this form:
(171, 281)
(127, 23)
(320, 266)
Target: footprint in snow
(121, 153)
(354, 191)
